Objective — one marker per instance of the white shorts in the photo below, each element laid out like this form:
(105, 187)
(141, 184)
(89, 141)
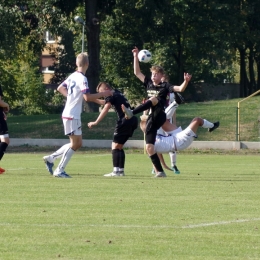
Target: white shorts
(184, 139)
(72, 126)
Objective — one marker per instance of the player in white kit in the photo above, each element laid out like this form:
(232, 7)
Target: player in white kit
(177, 138)
(75, 88)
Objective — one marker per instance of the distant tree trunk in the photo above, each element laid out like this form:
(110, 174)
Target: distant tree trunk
(93, 32)
(243, 75)
(252, 84)
(257, 61)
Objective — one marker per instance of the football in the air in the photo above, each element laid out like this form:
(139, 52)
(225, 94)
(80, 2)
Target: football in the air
(144, 56)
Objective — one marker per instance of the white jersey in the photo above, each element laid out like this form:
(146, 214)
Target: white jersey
(77, 85)
(177, 140)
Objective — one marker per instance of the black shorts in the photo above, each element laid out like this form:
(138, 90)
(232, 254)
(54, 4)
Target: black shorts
(125, 129)
(3, 125)
(155, 120)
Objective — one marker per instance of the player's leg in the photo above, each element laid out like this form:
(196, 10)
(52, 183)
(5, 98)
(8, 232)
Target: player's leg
(4, 138)
(49, 159)
(197, 122)
(3, 145)
(153, 101)
(173, 158)
(170, 110)
(150, 140)
(72, 128)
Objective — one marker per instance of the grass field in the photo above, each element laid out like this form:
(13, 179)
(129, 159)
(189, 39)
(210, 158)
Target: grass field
(225, 111)
(210, 211)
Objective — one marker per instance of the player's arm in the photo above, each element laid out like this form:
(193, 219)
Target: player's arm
(63, 90)
(182, 87)
(100, 102)
(92, 97)
(101, 115)
(4, 105)
(137, 70)
(163, 162)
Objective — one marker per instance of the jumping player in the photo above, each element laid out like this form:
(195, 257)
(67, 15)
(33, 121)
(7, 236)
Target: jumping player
(157, 91)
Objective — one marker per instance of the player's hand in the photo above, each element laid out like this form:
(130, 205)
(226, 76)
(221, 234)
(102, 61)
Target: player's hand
(135, 52)
(187, 77)
(90, 124)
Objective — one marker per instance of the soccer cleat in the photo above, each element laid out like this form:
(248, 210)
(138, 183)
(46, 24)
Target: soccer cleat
(112, 174)
(62, 175)
(153, 171)
(175, 169)
(160, 175)
(2, 170)
(121, 173)
(49, 165)
(128, 112)
(216, 125)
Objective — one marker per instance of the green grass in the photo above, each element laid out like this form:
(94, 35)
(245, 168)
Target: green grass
(210, 211)
(225, 111)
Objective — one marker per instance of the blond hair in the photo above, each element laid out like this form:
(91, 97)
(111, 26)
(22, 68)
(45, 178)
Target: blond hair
(82, 59)
(157, 69)
(102, 83)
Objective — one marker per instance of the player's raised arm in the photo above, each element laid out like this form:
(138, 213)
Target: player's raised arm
(137, 70)
(182, 87)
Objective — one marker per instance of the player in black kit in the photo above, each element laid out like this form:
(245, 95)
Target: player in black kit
(4, 136)
(124, 128)
(157, 92)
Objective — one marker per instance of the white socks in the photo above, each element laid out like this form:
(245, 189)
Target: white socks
(58, 153)
(64, 161)
(207, 124)
(173, 158)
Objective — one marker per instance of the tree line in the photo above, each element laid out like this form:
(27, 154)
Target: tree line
(215, 41)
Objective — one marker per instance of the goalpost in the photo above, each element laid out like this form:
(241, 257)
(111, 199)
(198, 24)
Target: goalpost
(238, 113)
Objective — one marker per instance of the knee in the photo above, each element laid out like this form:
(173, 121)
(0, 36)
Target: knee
(150, 149)
(154, 100)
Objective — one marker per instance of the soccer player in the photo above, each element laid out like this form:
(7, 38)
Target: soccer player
(124, 128)
(74, 88)
(4, 136)
(157, 92)
(177, 139)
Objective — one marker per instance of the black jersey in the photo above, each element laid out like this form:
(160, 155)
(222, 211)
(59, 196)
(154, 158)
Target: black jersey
(116, 100)
(161, 91)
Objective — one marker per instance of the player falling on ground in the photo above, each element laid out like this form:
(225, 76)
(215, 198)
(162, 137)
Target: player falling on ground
(74, 88)
(158, 91)
(177, 139)
(124, 128)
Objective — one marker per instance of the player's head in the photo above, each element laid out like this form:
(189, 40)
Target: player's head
(157, 74)
(103, 86)
(165, 78)
(82, 60)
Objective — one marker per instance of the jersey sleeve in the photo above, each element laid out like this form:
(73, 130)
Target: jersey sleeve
(84, 86)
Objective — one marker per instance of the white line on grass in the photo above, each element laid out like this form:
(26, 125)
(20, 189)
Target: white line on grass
(220, 223)
(134, 226)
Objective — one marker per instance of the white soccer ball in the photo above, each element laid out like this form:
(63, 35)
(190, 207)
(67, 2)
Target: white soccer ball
(144, 56)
